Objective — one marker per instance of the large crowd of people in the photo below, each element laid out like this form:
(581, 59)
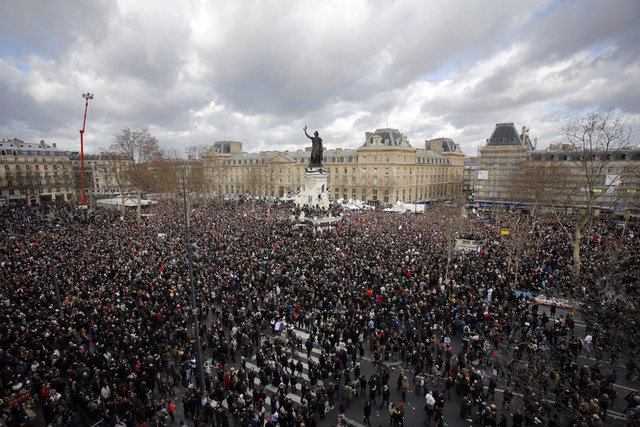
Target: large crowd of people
(377, 289)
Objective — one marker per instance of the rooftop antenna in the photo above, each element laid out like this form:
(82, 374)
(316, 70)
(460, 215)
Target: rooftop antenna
(387, 115)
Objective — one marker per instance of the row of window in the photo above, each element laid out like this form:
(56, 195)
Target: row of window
(437, 192)
(36, 167)
(32, 153)
(338, 159)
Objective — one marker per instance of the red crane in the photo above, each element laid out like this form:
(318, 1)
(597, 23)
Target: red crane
(87, 96)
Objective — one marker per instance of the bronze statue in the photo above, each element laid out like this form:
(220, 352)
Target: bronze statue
(316, 148)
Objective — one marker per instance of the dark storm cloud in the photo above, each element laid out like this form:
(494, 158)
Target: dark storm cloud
(257, 71)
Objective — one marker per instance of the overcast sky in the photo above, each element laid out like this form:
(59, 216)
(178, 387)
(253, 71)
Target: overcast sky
(199, 71)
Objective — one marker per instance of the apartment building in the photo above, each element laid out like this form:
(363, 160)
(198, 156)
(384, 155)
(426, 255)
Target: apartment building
(33, 169)
(385, 169)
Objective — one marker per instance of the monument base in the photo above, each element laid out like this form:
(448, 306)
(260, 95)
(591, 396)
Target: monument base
(316, 191)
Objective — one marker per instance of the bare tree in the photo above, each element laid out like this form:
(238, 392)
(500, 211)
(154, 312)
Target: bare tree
(27, 182)
(541, 183)
(195, 184)
(117, 172)
(254, 182)
(594, 140)
(452, 224)
(167, 172)
(140, 149)
(195, 152)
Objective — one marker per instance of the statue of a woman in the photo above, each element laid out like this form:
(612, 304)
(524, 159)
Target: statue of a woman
(316, 148)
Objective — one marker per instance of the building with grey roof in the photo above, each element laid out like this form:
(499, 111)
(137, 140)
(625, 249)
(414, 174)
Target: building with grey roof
(385, 169)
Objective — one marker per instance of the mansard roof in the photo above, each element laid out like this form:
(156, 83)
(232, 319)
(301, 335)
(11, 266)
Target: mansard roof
(504, 134)
(388, 137)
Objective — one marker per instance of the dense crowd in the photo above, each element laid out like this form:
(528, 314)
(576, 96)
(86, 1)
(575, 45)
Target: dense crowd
(379, 287)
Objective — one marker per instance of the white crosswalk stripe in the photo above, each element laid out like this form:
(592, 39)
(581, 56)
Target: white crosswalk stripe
(295, 393)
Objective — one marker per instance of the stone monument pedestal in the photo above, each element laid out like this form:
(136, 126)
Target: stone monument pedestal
(316, 191)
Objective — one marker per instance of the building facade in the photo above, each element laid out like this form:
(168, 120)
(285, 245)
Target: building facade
(33, 170)
(469, 176)
(614, 184)
(499, 158)
(385, 169)
(99, 175)
(512, 172)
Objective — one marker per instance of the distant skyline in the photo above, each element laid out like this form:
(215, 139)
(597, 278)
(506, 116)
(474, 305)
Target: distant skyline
(198, 71)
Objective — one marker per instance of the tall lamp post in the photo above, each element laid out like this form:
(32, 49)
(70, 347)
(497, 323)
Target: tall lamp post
(194, 310)
(87, 96)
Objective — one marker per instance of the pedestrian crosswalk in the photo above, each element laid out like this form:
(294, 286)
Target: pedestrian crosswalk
(294, 393)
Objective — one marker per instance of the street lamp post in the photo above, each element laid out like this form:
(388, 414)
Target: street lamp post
(194, 310)
(87, 96)
(47, 234)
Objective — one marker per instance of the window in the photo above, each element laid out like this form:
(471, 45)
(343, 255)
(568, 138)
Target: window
(387, 159)
(386, 196)
(375, 195)
(386, 171)
(375, 171)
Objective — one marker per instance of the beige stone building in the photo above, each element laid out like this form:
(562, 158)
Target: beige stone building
(33, 168)
(385, 169)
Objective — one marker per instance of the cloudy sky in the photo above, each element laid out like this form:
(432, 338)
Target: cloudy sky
(198, 71)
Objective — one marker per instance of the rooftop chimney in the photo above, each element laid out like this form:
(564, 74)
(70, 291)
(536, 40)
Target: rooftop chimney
(42, 144)
(54, 145)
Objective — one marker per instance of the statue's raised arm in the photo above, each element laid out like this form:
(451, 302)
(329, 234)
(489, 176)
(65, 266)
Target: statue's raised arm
(305, 132)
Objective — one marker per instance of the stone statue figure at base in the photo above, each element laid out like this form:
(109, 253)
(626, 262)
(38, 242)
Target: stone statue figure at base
(316, 149)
